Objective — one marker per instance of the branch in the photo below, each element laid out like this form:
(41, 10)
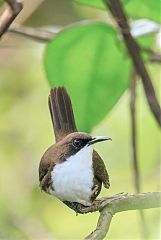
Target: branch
(133, 131)
(9, 15)
(120, 204)
(108, 206)
(134, 158)
(134, 51)
(153, 56)
(33, 33)
(45, 36)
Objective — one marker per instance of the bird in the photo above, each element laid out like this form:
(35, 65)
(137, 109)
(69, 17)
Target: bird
(71, 169)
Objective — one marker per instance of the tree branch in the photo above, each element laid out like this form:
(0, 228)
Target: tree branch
(134, 158)
(33, 33)
(120, 204)
(45, 36)
(9, 15)
(133, 131)
(153, 56)
(156, 58)
(134, 51)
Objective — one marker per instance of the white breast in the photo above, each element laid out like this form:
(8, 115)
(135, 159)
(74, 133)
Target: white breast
(73, 179)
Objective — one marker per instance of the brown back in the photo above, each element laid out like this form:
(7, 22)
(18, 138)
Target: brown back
(61, 113)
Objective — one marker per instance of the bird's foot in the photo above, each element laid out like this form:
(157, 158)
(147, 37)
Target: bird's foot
(77, 207)
(96, 205)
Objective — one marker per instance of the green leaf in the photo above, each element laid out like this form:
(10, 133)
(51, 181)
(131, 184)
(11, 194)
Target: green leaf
(146, 42)
(150, 9)
(88, 61)
(92, 3)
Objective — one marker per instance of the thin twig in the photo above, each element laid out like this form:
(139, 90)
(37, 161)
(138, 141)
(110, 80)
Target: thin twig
(134, 51)
(128, 202)
(156, 58)
(134, 158)
(153, 56)
(133, 132)
(45, 36)
(9, 15)
(33, 33)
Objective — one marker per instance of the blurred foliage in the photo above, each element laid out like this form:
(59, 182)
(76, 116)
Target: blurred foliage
(58, 13)
(92, 3)
(26, 132)
(147, 8)
(86, 60)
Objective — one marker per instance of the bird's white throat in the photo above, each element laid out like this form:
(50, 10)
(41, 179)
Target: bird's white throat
(73, 179)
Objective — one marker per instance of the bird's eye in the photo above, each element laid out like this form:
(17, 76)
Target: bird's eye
(77, 143)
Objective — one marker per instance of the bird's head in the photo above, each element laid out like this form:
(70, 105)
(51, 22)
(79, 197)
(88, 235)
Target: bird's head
(76, 141)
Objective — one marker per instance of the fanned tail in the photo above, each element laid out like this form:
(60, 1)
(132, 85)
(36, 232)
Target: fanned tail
(61, 113)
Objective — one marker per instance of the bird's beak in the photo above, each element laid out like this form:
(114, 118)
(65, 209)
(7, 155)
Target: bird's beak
(98, 139)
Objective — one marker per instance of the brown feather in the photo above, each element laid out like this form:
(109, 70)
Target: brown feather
(61, 113)
(100, 171)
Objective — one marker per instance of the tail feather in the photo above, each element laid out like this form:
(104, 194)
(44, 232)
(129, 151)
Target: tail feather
(61, 113)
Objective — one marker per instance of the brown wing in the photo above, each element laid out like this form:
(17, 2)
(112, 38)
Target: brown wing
(100, 171)
(45, 175)
(61, 113)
